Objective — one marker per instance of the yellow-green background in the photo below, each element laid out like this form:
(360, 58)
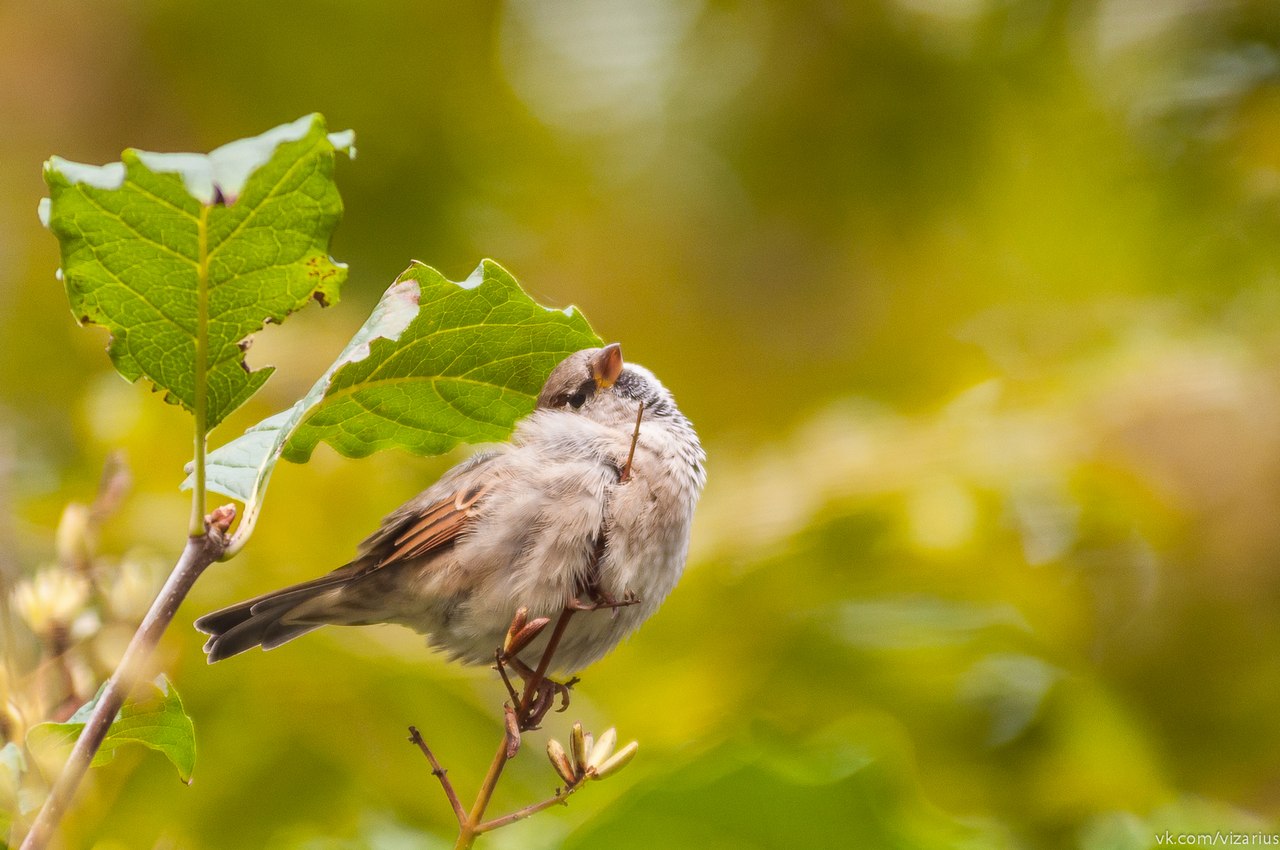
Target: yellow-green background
(975, 304)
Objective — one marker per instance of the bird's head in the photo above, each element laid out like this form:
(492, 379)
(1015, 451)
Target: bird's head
(596, 381)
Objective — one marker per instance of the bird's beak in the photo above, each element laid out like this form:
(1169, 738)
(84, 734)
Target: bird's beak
(607, 366)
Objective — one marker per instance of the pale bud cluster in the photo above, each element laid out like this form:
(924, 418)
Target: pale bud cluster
(80, 609)
(587, 758)
(50, 600)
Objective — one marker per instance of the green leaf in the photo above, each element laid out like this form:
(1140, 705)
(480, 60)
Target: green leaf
(180, 255)
(466, 369)
(156, 720)
(437, 363)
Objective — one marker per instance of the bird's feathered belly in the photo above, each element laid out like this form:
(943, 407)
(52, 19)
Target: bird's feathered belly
(580, 531)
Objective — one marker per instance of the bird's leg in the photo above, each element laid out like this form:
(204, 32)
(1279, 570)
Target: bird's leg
(539, 691)
(591, 588)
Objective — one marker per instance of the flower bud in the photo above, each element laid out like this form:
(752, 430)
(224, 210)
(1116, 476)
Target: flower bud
(603, 749)
(74, 538)
(578, 746)
(517, 623)
(525, 636)
(129, 592)
(616, 762)
(50, 600)
(560, 761)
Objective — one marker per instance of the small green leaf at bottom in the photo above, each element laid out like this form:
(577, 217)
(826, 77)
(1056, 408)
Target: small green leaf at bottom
(155, 718)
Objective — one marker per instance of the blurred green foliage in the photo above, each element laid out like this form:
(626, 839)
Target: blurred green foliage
(153, 718)
(974, 303)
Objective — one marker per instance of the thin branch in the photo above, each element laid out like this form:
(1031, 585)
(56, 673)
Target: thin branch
(198, 554)
(470, 828)
(500, 665)
(560, 798)
(625, 475)
(512, 724)
(440, 773)
(467, 831)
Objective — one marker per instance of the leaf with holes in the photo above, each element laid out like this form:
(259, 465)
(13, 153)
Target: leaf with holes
(466, 369)
(183, 256)
(437, 363)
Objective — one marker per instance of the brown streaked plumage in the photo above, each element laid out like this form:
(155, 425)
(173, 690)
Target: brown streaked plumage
(531, 523)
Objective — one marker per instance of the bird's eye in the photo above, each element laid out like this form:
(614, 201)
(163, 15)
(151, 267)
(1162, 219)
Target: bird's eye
(577, 399)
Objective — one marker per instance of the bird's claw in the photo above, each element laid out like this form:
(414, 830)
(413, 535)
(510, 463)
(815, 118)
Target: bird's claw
(602, 599)
(544, 695)
(545, 698)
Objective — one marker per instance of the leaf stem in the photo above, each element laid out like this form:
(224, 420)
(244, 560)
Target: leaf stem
(201, 402)
(199, 553)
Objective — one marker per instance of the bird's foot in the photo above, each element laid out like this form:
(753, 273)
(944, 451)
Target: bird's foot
(544, 695)
(544, 700)
(603, 599)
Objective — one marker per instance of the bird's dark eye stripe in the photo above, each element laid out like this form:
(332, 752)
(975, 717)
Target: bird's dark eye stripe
(579, 398)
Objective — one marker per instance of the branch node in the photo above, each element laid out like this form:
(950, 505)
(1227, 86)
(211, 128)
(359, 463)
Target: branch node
(219, 519)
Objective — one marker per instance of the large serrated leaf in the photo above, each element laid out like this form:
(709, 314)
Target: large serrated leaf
(437, 363)
(162, 248)
(466, 369)
(156, 720)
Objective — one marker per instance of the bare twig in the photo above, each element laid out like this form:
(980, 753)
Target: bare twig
(534, 685)
(512, 724)
(469, 831)
(625, 475)
(628, 598)
(500, 663)
(525, 714)
(199, 553)
(440, 773)
(561, 798)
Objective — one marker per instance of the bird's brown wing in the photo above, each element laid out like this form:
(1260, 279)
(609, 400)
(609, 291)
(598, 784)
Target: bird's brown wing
(410, 532)
(432, 527)
(430, 522)
(424, 525)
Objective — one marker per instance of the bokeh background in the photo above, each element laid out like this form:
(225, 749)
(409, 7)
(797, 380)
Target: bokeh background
(975, 304)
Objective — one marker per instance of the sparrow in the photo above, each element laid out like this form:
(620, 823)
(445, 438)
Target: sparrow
(592, 499)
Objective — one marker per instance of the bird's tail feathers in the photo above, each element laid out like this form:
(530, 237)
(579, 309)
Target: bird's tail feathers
(263, 621)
